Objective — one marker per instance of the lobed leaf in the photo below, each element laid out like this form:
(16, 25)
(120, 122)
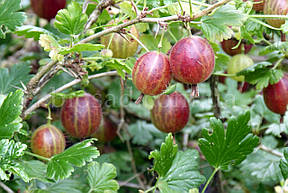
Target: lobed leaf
(284, 164)
(101, 177)
(217, 26)
(222, 148)
(10, 18)
(71, 20)
(10, 151)
(30, 31)
(61, 165)
(14, 77)
(184, 174)
(261, 75)
(10, 111)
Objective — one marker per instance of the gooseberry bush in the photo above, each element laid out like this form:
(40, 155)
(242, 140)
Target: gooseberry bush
(169, 96)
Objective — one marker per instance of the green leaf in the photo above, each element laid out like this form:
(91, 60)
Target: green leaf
(127, 8)
(261, 75)
(64, 186)
(144, 133)
(10, 112)
(10, 151)
(12, 78)
(71, 20)
(284, 164)
(262, 167)
(9, 17)
(217, 26)
(276, 129)
(260, 107)
(120, 66)
(61, 165)
(100, 177)
(164, 188)
(152, 43)
(30, 31)
(163, 159)
(222, 148)
(184, 174)
(82, 48)
(35, 170)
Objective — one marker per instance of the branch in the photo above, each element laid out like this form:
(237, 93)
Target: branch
(271, 151)
(33, 83)
(6, 188)
(96, 13)
(141, 19)
(68, 85)
(215, 96)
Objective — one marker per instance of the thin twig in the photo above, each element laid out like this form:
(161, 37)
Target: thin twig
(6, 188)
(68, 85)
(122, 112)
(141, 19)
(215, 96)
(130, 185)
(133, 163)
(271, 151)
(33, 83)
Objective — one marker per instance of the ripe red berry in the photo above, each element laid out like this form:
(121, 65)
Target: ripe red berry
(151, 73)
(227, 46)
(107, 130)
(192, 60)
(81, 116)
(276, 7)
(47, 9)
(276, 96)
(170, 113)
(120, 46)
(47, 141)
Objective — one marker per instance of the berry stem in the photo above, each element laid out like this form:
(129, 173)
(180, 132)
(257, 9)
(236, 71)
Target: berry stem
(278, 63)
(49, 118)
(139, 99)
(161, 40)
(194, 92)
(174, 140)
(139, 42)
(190, 6)
(264, 24)
(182, 11)
(110, 41)
(37, 156)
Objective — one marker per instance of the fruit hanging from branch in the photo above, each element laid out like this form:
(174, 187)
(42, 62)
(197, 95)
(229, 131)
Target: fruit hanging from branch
(192, 60)
(238, 63)
(151, 73)
(170, 113)
(47, 9)
(276, 96)
(258, 5)
(228, 45)
(122, 45)
(276, 7)
(81, 116)
(47, 141)
(107, 130)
